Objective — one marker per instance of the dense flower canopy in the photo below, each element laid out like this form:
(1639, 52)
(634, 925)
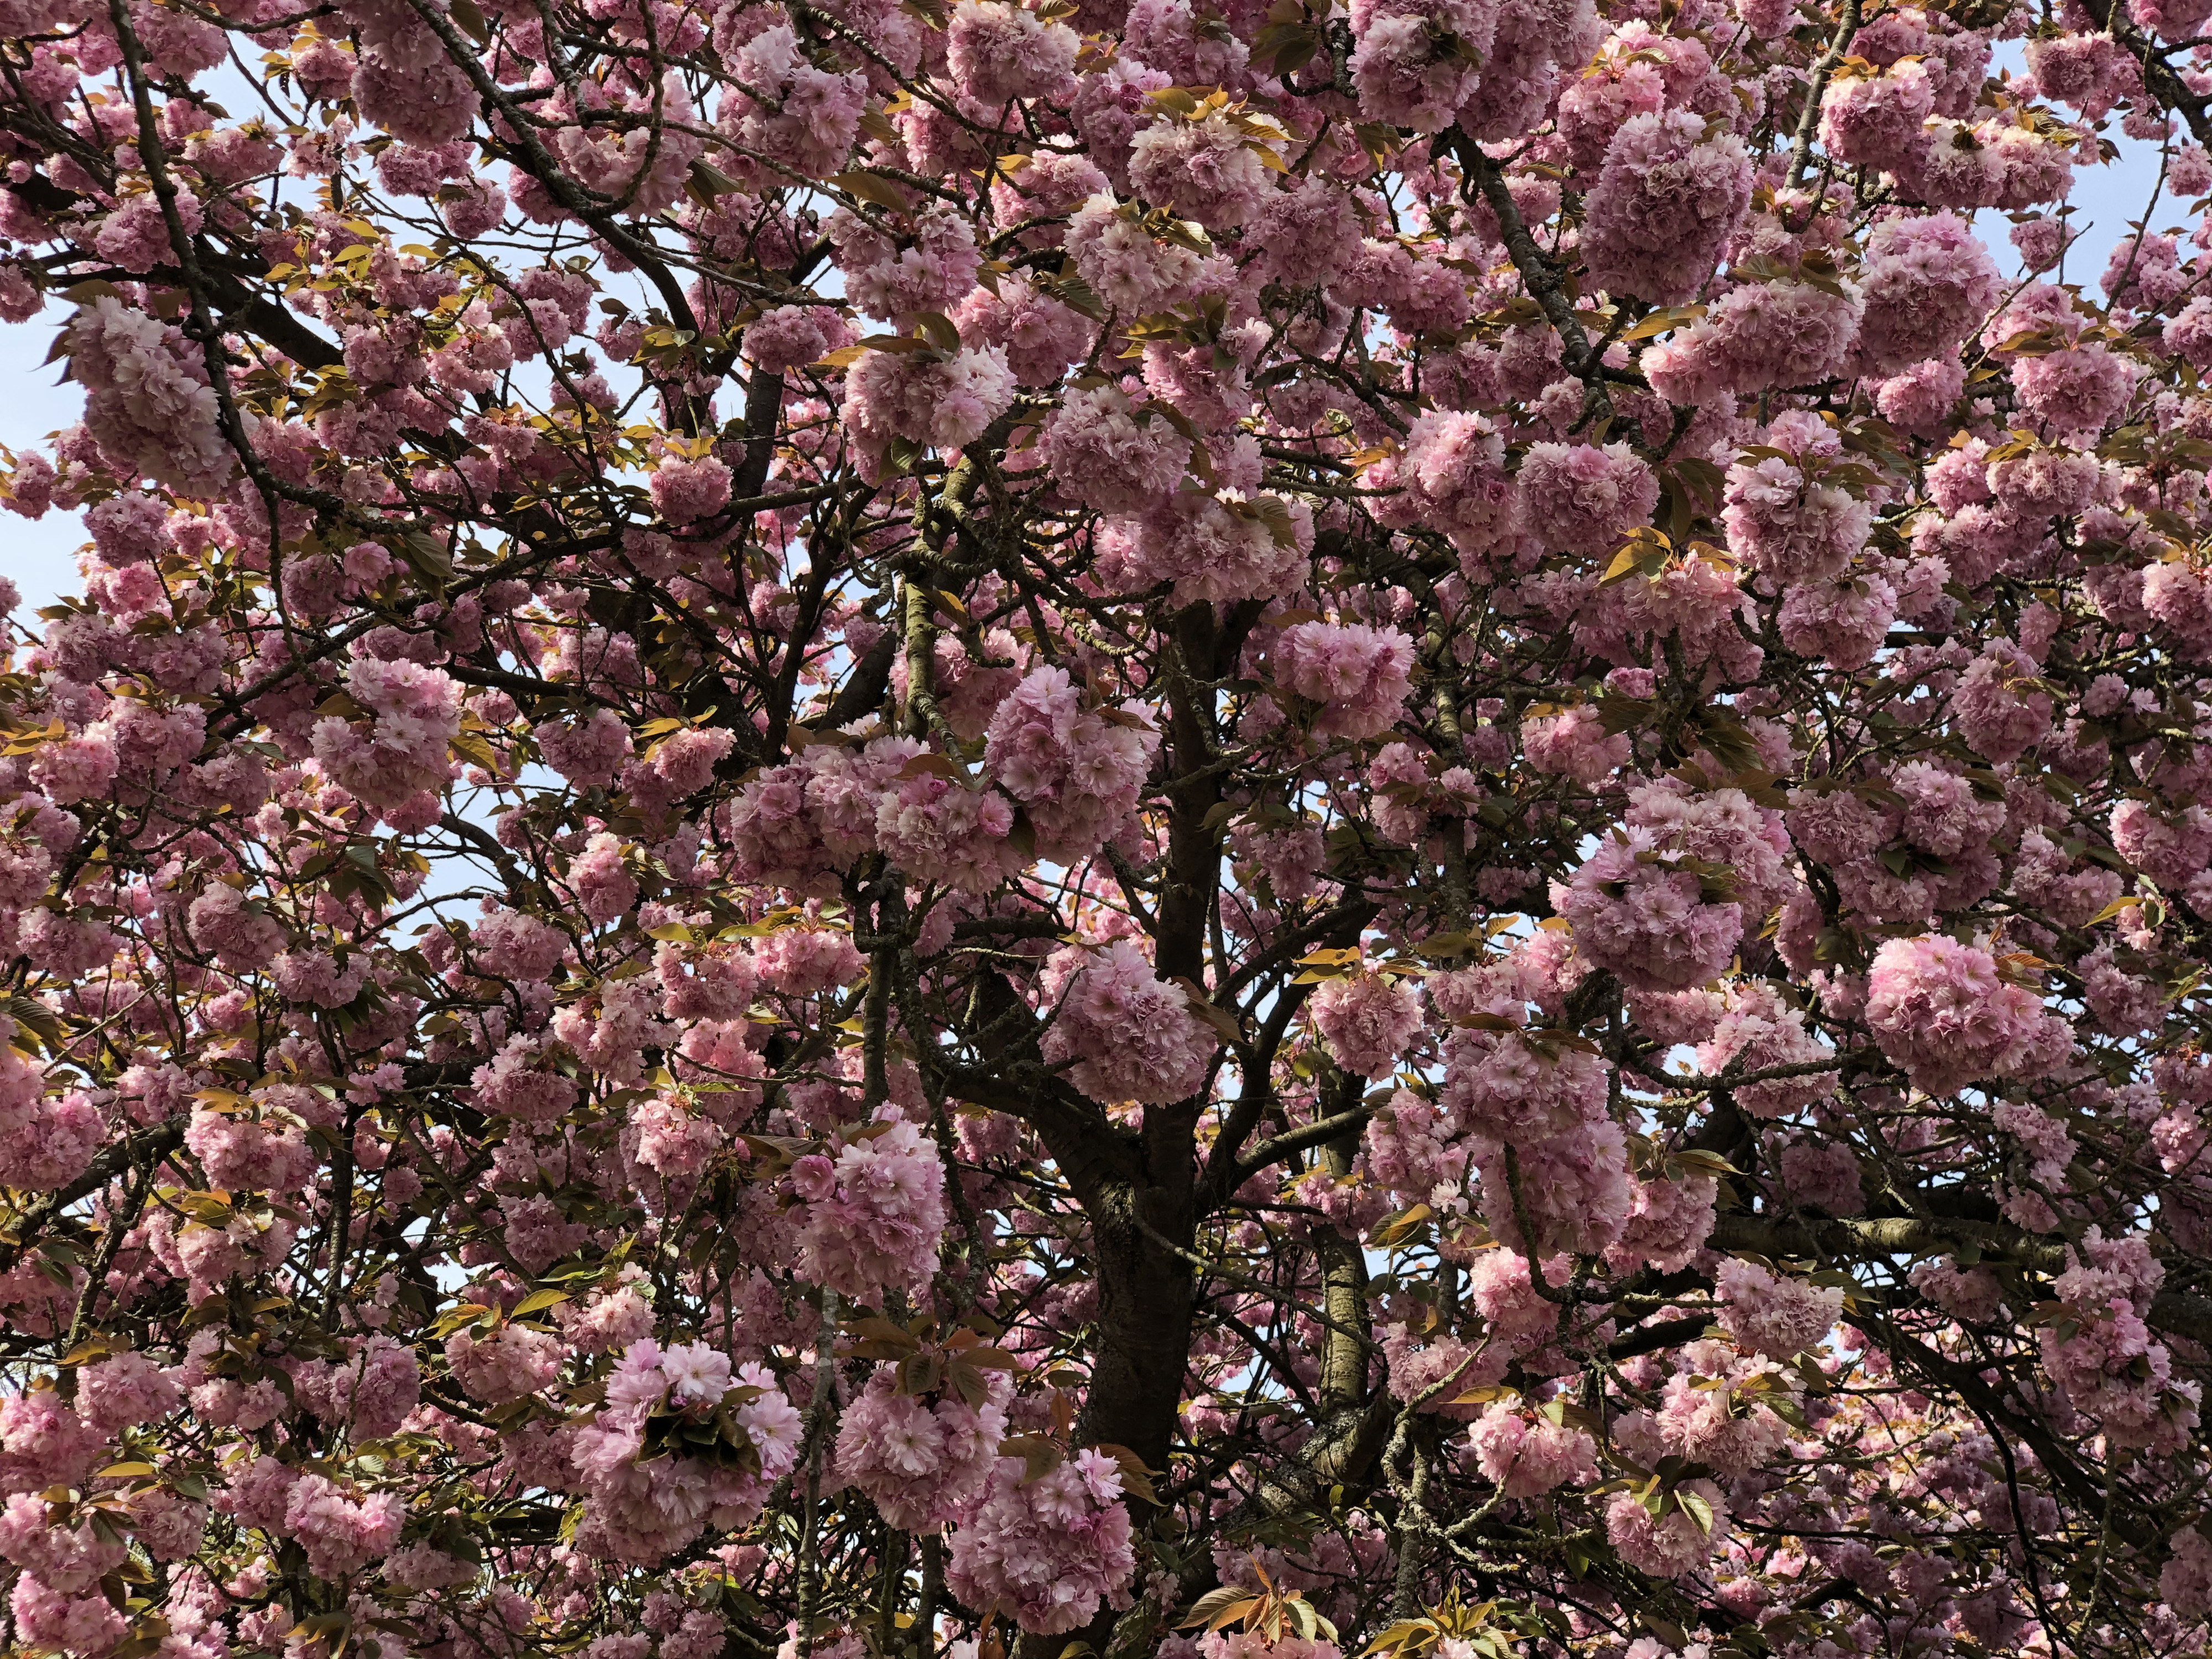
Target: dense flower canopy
(1159, 828)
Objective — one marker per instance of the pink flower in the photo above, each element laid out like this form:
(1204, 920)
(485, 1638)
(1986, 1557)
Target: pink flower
(938, 402)
(1877, 121)
(1781, 519)
(1507, 1086)
(85, 1625)
(424, 98)
(1574, 1186)
(586, 752)
(2117, 1375)
(1682, 1540)
(314, 977)
(1220, 547)
(1414, 62)
(1939, 1010)
(1132, 1036)
(124, 1390)
(129, 529)
(603, 885)
(901, 284)
(1111, 456)
(696, 1374)
(933, 275)
(1208, 169)
(2170, 849)
(1368, 1021)
(148, 402)
(1664, 205)
(43, 1443)
(1042, 334)
(878, 1228)
(1500, 1286)
(48, 1145)
(1759, 335)
(2078, 391)
(1452, 476)
(922, 1464)
(1361, 675)
(512, 1362)
(67, 1559)
(675, 1143)
(1077, 771)
(1124, 264)
(1578, 498)
(1768, 1315)
(939, 829)
(1667, 1225)
(1928, 283)
(1575, 744)
(1920, 397)
(510, 1085)
(998, 52)
(1048, 1551)
(413, 712)
(79, 767)
(806, 117)
(807, 962)
(685, 491)
(1526, 1457)
(791, 336)
(814, 1177)
(341, 1532)
(372, 1392)
(2185, 1581)
(1759, 1032)
(1658, 922)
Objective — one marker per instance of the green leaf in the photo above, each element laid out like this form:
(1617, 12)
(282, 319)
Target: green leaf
(941, 333)
(877, 192)
(1218, 1607)
(1696, 1508)
(1400, 1229)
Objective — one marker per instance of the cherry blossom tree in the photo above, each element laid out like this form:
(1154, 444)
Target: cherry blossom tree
(1107, 829)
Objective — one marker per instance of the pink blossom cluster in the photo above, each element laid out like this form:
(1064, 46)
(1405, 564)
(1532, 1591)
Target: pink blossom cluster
(1368, 1021)
(1359, 676)
(1651, 912)
(1045, 1552)
(1527, 1456)
(639, 1508)
(45, 1140)
(1076, 771)
(744, 671)
(148, 405)
(413, 712)
(1130, 1036)
(1941, 1011)
(1581, 498)
(874, 1213)
(1774, 1315)
(1664, 205)
(922, 1463)
(1452, 475)
(1757, 335)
